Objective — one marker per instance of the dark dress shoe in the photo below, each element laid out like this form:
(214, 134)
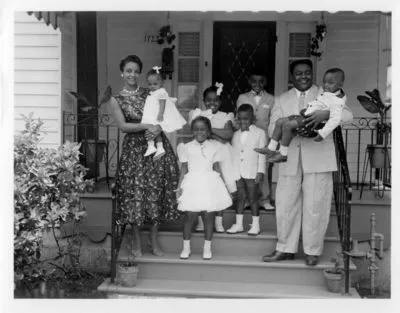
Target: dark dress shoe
(278, 256)
(312, 260)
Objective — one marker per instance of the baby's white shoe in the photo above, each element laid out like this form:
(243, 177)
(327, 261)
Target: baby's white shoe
(200, 225)
(150, 150)
(160, 152)
(185, 254)
(207, 255)
(219, 228)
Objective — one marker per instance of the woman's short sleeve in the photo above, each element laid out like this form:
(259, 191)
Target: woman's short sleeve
(181, 150)
(193, 114)
(230, 117)
(217, 156)
(162, 94)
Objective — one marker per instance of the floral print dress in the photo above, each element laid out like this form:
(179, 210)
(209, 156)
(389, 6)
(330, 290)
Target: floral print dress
(145, 188)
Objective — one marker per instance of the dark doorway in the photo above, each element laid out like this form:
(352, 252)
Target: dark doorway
(239, 48)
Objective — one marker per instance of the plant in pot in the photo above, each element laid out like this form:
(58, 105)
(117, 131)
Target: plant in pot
(334, 275)
(165, 37)
(127, 271)
(378, 152)
(92, 149)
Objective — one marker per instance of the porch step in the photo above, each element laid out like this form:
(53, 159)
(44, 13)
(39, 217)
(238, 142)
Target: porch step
(234, 245)
(213, 289)
(246, 269)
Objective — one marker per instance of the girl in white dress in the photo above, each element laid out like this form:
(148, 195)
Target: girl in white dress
(160, 109)
(222, 130)
(201, 188)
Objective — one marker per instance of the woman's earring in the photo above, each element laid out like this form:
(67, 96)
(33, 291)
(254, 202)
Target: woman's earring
(122, 75)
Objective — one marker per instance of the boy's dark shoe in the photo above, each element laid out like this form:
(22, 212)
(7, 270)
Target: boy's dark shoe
(277, 158)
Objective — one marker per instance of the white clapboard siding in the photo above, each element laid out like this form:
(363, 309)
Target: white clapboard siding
(352, 44)
(37, 76)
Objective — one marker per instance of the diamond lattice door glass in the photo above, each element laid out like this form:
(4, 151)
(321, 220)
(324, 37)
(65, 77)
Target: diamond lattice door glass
(239, 49)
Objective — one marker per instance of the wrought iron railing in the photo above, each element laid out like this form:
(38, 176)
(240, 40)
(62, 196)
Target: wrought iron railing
(105, 147)
(363, 131)
(342, 192)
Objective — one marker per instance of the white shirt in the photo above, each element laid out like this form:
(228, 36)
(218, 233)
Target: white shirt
(243, 136)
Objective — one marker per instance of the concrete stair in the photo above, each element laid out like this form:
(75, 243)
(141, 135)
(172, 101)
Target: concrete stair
(235, 271)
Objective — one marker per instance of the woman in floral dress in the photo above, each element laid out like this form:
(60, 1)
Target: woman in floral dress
(145, 187)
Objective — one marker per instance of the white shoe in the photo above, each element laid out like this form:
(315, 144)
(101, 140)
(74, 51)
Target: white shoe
(219, 228)
(207, 254)
(255, 226)
(254, 230)
(185, 254)
(150, 150)
(267, 206)
(160, 152)
(235, 228)
(200, 225)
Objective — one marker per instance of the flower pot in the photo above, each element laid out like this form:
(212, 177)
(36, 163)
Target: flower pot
(127, 274)
(333, 280)
(379, 155)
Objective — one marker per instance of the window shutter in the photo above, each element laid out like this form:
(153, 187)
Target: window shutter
(299, 45)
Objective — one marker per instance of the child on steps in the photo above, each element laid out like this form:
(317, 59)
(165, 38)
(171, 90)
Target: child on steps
(251, 166)
(201, 188)
(222, 131)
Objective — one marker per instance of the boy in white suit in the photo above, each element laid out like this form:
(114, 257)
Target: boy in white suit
(305, 184)
(250, 166)
(262, 103)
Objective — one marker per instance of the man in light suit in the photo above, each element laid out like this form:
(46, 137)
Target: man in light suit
(262, 103)
(305, 184)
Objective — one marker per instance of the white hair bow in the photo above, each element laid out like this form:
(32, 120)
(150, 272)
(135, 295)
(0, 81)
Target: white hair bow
(157, 69)
(219, 86)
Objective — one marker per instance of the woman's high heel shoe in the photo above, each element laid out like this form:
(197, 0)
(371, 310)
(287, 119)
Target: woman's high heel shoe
(155, 251)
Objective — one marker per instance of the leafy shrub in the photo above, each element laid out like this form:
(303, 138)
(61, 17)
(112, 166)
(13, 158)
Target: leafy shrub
(47, 186)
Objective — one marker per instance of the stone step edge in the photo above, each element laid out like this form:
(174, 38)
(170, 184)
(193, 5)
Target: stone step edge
(227, 261)
(160, 290)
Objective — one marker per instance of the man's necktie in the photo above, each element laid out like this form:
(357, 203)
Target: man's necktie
(302, 101)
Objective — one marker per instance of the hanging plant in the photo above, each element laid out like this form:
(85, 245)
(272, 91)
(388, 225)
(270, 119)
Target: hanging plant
(165, 35)
(320, 33)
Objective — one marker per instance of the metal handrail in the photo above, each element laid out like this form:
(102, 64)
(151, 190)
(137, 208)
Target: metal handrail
(343, 194)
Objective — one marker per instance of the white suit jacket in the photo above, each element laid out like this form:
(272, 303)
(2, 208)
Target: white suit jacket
(262, 110)
(316, 157)
(245, 160)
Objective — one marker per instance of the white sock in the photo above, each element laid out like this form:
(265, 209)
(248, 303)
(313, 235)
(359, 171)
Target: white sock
(239, 220)
(272, 145)
(159, 144)
(186, 244)
(255, 221)
(150, 143)
(207, 244)
(283, 150)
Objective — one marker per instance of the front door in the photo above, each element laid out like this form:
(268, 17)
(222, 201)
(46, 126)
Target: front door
(240, 48)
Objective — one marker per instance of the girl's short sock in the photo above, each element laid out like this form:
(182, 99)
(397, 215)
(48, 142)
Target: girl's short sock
(283, 150)
(273, 144)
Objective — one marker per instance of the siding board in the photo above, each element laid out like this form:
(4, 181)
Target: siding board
(37, 78)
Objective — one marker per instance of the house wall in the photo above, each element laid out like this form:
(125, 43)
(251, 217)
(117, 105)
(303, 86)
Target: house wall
(37, 75)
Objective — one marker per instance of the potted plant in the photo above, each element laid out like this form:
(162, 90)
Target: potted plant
(379, 152)
(165, 37)
(127, 272)
(334, 275)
